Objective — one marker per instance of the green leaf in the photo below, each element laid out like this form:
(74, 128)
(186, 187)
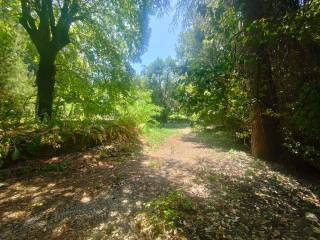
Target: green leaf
(15, 154)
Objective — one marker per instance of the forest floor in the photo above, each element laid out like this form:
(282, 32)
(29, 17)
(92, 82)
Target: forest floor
(194, 185)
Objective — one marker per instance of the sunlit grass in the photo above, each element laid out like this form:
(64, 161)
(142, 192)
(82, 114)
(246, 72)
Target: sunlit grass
(156, 135)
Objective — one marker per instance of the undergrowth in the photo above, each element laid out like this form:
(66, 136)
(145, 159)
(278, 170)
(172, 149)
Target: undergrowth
(34, 140)
(163, 217)
(173, 216)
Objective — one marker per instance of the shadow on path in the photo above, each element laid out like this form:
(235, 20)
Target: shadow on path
(237, 197)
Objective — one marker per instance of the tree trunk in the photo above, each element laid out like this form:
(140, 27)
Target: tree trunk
(265, 136)
(45, 83)
(265, 140)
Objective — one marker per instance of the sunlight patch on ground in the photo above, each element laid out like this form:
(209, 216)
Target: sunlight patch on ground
(15, 214)
(85, 198)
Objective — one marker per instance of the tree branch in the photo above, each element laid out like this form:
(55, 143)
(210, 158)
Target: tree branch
(26, 19)
(61, 32)
(51, 17)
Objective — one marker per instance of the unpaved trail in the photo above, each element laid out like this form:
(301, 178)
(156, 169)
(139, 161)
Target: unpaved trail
(99, 199)
(181, 159)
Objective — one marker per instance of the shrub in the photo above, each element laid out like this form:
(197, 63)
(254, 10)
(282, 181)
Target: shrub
(140, 109)
(58, 137)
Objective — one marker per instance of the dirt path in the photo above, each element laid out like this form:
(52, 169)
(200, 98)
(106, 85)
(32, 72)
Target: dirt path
(99, 198)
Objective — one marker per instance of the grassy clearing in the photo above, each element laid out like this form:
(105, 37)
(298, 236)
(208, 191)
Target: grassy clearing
(156, 135)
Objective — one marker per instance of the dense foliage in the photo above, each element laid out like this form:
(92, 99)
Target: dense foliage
(70, 61)
(16, 90)
(160, 76)
(253, 66)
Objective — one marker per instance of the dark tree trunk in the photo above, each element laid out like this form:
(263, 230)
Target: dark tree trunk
(265, 136)
(265, 139)
(45, 84)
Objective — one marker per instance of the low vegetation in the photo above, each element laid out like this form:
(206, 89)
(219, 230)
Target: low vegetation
(40, 140)
(163, 216)
(156, 135)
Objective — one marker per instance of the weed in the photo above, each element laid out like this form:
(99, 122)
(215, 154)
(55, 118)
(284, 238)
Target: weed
(104, 154)
(119, 160)
(98, 185)
(62, 136)
(166, 217)
(24, 171)
(219, 139)
(34, 145)
(232, 151)
(120, 177)
(213, 178)
(155, 164)
(172, 208)
(54, 167)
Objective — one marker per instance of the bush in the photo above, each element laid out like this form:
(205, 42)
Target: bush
(138, 109)
(58, 137)
(301, 131)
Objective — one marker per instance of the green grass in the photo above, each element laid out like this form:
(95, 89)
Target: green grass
(171, 208)
(155, 136)
(154, 164)
(220, 139)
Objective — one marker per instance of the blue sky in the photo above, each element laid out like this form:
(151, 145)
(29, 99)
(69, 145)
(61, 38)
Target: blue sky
(163, 39)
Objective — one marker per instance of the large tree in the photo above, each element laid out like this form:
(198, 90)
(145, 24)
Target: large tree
(261, 18)
(265, 127)
(49, 24)
(273, 46)
(49, 32)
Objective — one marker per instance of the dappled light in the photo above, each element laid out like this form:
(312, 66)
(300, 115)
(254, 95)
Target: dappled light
(160, 119)
(235, 195)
